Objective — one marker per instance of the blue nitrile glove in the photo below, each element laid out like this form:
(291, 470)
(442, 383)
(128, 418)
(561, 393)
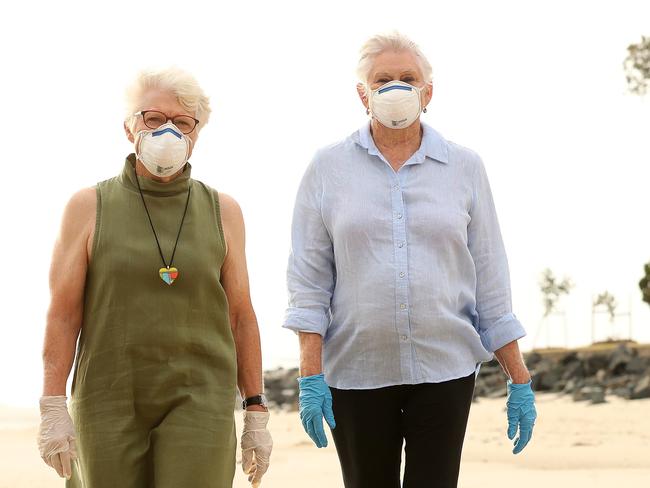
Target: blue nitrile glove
(521, 413)
(315, 400)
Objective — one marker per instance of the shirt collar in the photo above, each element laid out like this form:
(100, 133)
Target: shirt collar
(433, 145)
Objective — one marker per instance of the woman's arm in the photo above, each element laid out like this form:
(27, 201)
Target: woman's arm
(310, 281)
(310, 272)
(311, 346)
(512, 363)
(67, 281)
(498, 326)
(234, 278)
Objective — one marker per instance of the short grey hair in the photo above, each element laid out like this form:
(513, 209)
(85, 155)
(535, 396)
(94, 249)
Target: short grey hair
(177, 81)
(391, 41)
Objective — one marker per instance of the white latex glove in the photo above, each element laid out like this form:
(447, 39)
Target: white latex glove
(56, 435)
(256, 445)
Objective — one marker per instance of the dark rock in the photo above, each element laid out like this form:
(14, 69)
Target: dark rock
(619, 360)
(586, 393)
(491, 367)
(591, 381)
(593, 362)
(570, 358)
(549, 380)
(574, 369)
(532, 359)
(545, 365)
(560, 385)
(491, 386)
(573, 384)
(642, 389)
(493, 380)
(535, 377)
(597, 396)
(620, 381)
(637, 365)
(579, 395)
(281, 387)
(499, 392)
(546, 375)
(622, 391)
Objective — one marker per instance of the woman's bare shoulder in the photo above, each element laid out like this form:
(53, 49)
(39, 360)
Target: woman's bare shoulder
(79, 218)
(230, 209)
(82, 204)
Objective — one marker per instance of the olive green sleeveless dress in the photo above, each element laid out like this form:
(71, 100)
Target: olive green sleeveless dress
(155, 377)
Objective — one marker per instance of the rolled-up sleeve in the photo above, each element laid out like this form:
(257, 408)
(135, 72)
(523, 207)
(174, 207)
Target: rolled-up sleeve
(497, 324)
(311, 269)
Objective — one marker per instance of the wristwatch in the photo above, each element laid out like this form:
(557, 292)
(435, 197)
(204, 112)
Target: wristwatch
(255, 400)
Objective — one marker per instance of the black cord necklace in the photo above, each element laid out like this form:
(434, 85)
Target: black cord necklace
(168, 274)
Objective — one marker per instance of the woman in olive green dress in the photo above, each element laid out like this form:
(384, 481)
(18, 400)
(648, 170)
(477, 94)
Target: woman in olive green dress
(149, 274)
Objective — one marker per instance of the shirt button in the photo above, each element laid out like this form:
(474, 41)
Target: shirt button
(400, 244)
(402, 306)
(401, 274)
(404, 337)
(399, 215)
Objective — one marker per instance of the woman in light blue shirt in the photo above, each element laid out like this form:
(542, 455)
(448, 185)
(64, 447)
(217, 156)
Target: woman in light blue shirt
(398, 279)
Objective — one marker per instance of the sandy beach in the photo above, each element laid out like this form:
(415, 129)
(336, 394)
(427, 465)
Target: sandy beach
(574, 445)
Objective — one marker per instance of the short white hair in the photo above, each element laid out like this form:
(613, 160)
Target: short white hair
(178, 82)
(394, 41)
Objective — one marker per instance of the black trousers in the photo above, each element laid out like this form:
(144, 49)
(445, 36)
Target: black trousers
(372, 424)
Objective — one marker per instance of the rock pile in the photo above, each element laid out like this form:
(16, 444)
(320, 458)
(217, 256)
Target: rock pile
(281, 388)
(586, 375)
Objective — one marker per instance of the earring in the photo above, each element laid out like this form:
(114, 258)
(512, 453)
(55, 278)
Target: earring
(367, 111)
(424, 110)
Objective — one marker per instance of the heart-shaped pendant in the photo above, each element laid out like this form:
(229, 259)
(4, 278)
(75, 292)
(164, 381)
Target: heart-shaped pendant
(168, 275)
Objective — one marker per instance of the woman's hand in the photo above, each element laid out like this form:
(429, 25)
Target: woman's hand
(56, 435)
(256, 445)
(521, 413)
(315, 400)
(521, 399)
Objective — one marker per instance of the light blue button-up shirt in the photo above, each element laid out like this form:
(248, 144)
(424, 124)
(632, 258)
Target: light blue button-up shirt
(404, 273)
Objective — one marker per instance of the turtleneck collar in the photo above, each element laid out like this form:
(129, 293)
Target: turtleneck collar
(149, 186)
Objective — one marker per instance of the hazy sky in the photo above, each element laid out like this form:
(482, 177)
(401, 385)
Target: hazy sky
(537, 88)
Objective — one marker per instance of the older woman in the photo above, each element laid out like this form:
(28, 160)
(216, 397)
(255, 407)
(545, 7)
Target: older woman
(398, 274)
(149, 271)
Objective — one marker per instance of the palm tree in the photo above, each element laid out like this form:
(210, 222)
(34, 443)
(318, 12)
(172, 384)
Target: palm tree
(637, 66)
(644, 284)
(607, 300)
(552, 290)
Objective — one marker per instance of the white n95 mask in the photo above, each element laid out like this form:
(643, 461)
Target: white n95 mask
(164, 150)
(395, 104)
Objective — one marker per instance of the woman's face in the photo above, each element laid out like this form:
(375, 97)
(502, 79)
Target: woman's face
(396, 65)
(162, 101)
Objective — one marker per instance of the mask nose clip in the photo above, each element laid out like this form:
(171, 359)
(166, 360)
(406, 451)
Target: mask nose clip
(167, 128)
